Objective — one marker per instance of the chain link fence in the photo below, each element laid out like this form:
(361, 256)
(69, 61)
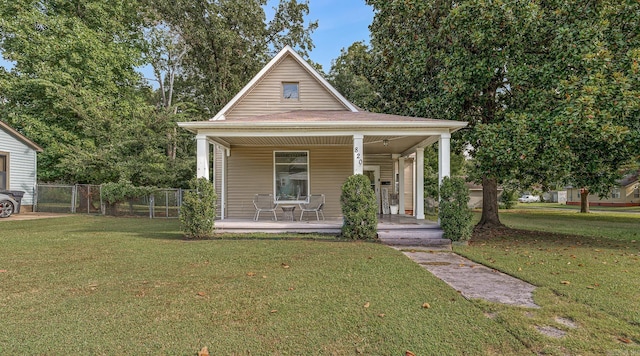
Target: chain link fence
(86, 199)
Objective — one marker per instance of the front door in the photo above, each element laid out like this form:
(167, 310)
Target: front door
(373, 173)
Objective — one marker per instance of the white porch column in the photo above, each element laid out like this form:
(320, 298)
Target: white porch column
(202, 157)
(401, 185)
(444, 156)
(420, 183)
(223, 185)
(358, 154)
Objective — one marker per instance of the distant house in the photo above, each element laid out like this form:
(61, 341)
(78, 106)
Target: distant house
(18, 164)
(475, 195)
(625, 193)
(290, 134)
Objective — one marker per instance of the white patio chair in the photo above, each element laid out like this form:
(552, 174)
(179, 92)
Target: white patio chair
(315, 205)
(264, 202)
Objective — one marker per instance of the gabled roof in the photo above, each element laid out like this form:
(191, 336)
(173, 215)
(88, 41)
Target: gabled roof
(286, 51)
(11, 131)
(629, 179)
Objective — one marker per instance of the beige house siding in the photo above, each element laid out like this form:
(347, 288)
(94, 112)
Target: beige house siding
(250, 171)
(266, 97)
(627, 197)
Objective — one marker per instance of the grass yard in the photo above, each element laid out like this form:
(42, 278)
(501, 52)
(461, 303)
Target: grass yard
(103, 285)
(589, 285)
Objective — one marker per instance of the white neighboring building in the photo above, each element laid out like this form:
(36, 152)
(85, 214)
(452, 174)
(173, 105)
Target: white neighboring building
(18, 164)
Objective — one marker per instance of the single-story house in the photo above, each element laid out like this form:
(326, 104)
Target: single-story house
(475, 195)
(625, 193)
(18, 164)
(289, 133)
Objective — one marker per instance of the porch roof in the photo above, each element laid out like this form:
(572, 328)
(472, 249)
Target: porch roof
(383, 133)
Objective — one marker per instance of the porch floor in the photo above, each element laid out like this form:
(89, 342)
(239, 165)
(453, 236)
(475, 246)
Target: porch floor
(329, 226)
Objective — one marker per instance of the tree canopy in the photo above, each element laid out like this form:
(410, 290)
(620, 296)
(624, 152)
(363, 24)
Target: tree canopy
(549, 88)
(75, 88)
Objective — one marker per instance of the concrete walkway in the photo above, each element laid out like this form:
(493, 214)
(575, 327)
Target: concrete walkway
(474, 281)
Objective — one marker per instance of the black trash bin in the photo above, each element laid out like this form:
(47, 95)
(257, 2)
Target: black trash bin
(15, 194)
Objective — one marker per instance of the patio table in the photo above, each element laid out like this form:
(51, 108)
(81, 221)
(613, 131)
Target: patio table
(288, 212)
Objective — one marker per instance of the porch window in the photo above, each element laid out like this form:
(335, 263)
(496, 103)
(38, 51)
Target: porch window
(290, 90)
(4, 171)
(291, 175)
(636, 192)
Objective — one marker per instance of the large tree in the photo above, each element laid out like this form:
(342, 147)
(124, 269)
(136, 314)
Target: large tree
(228, 41)
(74, 74)
(349, 74)
(75, 87)
(461, 61)
(599, 95)
(506, 67)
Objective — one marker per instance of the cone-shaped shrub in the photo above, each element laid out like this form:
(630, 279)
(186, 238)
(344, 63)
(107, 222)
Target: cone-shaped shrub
(359, 209)
(198, 209)
(455, 217)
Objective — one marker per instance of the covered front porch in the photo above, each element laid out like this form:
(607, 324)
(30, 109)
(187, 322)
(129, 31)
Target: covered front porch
(296, 154)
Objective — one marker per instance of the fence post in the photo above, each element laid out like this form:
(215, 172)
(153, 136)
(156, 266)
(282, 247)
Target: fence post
(102, 207)
(151, 205)
(166, 204)
(35, 199)
(74, 191)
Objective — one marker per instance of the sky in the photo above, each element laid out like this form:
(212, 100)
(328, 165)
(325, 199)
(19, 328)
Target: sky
(340, 23)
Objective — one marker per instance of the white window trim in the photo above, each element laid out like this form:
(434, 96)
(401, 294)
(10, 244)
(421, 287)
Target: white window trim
(273, 182)
(290, 99)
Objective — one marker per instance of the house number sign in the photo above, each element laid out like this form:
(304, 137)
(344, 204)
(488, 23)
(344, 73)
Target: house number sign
(358, 156)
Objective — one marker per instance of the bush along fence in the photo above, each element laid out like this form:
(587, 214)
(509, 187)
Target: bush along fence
(118, 199)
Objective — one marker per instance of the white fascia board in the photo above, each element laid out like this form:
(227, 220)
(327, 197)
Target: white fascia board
(317, 133)
(442, 126)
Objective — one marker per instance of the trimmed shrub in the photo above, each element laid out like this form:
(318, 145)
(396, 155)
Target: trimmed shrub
(359, 209)
(198, 209)
(455, 217)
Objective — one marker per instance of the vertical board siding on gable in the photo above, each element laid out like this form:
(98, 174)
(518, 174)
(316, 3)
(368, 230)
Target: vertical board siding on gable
(22, 166)
(250, 172)
(266, 97)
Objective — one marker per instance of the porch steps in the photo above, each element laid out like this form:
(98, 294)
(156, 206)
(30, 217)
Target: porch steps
(414, 237)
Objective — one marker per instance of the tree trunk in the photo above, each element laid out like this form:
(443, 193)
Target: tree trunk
(489, 219)
(584, 200)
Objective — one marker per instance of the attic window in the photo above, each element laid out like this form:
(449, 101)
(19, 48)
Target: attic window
(290, 90)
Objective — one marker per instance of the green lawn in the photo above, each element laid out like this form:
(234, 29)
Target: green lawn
(103, 285)
(592, 280)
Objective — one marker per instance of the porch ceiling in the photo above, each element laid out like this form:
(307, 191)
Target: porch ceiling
(401, 134)
(372, 144)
